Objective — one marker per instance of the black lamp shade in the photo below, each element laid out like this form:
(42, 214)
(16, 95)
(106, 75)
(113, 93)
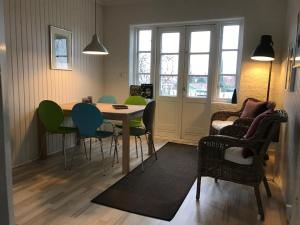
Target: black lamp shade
(95, 47)
(264, 51)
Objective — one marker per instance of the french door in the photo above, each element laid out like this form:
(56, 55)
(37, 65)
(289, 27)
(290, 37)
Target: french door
(185, 58)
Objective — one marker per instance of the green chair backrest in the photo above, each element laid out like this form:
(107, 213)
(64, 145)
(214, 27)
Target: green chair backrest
(135, 100)
(51, 115)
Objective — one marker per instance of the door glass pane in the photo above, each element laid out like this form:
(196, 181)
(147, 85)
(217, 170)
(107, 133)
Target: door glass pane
(230, 37)
(170, 42)
(197, 86)
(227, 86)
(168, 85)
(200, 41)
(169, 64)
(144, 62)
(229, 62)
(144, 78)
(145, 40)
(199, 64)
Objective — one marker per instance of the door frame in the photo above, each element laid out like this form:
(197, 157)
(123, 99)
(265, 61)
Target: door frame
(6, 207)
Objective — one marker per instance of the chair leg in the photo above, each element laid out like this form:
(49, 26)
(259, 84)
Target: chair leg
(136, 150)
(101, 148)
(72, 158)
(153, 148)
(259, 203)
(142, 155)
(90, 149)
(198, 187)
(267, 187)
(86, 155)
(64, 150)
(115, 151)
(111, 143)
(216, 180)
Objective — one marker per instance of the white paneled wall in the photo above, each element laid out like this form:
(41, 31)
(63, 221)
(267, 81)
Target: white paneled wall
(30, 78)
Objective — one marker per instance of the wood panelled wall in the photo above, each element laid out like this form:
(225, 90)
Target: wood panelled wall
(30, 77)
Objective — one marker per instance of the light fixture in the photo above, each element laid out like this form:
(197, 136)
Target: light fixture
(95, 47)
(265, 52)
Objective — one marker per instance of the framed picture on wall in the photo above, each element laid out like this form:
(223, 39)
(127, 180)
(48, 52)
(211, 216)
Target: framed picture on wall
(289, 65)
(61, 49)
(297, 44)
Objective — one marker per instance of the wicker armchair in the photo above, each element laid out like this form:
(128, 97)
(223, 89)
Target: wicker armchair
(214, 161)
(224, 115)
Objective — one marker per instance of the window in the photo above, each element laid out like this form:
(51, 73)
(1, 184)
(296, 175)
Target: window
(169, 58)
(143, 62)
(229, 61)
(197, 60)
(198, 64)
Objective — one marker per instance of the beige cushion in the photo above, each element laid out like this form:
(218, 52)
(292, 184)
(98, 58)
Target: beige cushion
(219, 124)
(234, 154)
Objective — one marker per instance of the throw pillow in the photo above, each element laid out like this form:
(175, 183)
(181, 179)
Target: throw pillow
(253, 109)
(252, 129)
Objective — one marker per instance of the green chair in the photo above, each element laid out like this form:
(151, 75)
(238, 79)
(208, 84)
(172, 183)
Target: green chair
(52, 116)
(135, 100)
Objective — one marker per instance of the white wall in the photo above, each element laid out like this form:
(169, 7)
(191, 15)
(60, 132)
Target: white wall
(261, 17)
(6, 207)
(30, 77)
(290, 156)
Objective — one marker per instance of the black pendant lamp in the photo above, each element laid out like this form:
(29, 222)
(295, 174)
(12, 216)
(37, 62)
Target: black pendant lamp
(95, 47)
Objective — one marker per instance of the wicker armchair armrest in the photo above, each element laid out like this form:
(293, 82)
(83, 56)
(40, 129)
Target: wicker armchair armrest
(224, 115)
(246, 122)
(234, 131)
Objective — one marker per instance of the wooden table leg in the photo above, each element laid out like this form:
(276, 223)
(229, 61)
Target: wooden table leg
(125, 146)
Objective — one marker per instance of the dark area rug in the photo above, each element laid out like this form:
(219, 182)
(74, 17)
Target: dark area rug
(159, 191)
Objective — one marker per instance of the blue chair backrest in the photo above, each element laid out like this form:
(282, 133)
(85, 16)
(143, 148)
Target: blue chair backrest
(107, 99)
(87, 118)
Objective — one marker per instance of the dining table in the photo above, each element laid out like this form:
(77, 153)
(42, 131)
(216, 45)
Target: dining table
(111, 113)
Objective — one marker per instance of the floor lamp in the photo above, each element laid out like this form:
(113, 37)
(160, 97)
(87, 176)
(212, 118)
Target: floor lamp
(265, 52)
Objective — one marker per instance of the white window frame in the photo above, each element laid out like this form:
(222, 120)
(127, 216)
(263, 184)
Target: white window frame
(216, 83)
(214, 79)
(134, 51)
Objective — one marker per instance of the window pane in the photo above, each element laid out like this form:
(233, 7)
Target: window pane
(144, 78)
(229, 62)
(227, 86)
(168, 85)
(230, 37)
(170, 42)
(199, 64)
(169, 64)
(197, 86)
(145, 40)
(144, 62)
(200, 41)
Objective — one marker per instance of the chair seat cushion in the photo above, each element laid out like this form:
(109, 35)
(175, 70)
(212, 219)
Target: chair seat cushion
(219, 124)
(103, 134)
(235, 154)
(137, 131)
(65, 130)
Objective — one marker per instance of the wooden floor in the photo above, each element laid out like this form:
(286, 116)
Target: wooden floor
(45, 193)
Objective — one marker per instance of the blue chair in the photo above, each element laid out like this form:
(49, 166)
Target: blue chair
(109, 99)
(88, 119)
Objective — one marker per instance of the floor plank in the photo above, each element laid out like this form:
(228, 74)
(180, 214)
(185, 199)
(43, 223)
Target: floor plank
(46, 194)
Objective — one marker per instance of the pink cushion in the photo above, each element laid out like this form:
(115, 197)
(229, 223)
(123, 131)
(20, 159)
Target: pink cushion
(253, 109)
(252, 129)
